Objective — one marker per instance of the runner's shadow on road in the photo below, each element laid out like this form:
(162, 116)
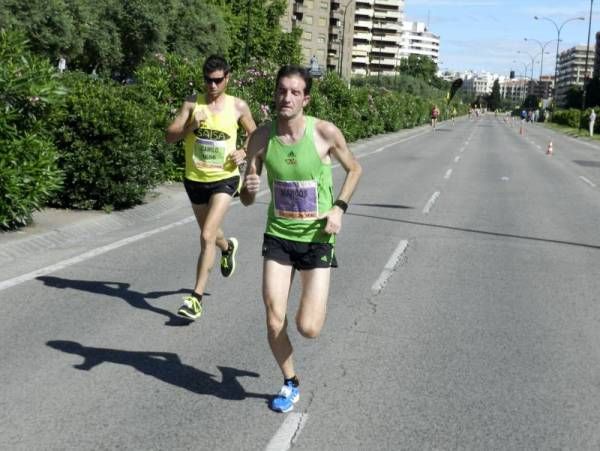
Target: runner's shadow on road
(120, 290)
(167, 367)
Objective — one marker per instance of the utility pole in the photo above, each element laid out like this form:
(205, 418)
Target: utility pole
(585, 71)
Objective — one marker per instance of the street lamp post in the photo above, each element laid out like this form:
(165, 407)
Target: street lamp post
(543, 47)
(346, 9)
(249, 8)
(587, 54)
(532, 61)
(526, 66)
(558, 30)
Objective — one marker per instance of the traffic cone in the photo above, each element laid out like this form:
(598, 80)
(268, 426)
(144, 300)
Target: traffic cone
(549, 151)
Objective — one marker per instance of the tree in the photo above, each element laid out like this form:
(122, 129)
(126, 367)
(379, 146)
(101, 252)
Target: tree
(114, 36)
(573, 97)
(256, 34)
(592, 97)
(494, 100)
(419, 67)
(531, 102)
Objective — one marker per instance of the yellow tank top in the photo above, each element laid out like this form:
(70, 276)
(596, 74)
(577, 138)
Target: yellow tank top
(207, 148)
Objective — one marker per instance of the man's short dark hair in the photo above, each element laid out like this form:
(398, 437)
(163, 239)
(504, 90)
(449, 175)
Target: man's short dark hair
(214, 63)
(291, 70)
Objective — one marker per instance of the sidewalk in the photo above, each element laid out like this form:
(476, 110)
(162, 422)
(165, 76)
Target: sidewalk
(54, 228)
(58, 228)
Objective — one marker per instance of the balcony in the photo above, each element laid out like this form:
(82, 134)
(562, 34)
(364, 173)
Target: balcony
(332, 61)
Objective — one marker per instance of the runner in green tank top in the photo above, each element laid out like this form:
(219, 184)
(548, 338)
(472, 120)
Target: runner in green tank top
(303, 217)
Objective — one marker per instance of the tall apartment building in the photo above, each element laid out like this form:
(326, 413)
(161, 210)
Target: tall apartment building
(327, 27)
(417, 40)
(377, 36)
(358, 37)
(571, 70)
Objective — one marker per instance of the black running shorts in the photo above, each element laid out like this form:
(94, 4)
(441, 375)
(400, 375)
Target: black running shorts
(299, 255)
(200, 192)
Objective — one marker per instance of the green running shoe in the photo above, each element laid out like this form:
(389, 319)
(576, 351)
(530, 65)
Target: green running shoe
(228, 258)
(191, 308)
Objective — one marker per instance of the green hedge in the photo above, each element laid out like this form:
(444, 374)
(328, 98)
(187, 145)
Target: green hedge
(107, 145)
(28, 170)
(105, 142)
(574, 118)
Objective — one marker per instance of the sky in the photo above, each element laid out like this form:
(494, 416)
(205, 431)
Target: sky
(487, 35)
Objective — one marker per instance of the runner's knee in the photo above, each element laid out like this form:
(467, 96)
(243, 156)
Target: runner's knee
(275, 324)
(308, 328)
(208, 236)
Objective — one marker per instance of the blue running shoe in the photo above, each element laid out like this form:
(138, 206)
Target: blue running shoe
(286, 398)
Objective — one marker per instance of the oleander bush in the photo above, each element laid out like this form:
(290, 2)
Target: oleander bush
(107, 146)
(29, 173)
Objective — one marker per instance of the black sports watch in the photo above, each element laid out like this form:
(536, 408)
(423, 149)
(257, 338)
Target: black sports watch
(340, 203)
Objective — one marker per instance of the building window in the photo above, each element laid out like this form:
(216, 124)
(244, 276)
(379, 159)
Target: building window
(322, 21)
(324, 5)
(307, 36)
(308, 4)
(321, 39)
(307, 20)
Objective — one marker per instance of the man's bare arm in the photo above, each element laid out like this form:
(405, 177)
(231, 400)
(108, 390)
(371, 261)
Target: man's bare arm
(254, 165)
(338, 148)
(247, 122)
(183, 122)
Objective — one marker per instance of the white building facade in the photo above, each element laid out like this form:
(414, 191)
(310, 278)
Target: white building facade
(571, 70)
(377, 36)
(417, 40)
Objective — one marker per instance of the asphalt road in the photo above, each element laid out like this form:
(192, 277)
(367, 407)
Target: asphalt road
(464, 315)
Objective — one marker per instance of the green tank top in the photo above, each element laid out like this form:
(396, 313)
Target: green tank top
(301, 188)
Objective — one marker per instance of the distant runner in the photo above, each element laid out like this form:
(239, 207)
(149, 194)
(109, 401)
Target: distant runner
(435, 112)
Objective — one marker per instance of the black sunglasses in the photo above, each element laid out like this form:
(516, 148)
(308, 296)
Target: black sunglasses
(216, 81)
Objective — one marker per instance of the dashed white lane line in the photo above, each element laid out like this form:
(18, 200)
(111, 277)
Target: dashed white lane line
(389, 267)
(382, 148)
(588, 181)
(448, 174)
(288, 432)
(430, 202)
(457, 158)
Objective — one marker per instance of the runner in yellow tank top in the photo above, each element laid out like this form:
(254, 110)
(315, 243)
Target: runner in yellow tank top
(208, 125)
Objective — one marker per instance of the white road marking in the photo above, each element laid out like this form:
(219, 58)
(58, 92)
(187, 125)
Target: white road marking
(89, 254)
(430, 202)
(448, 174)
(382, 148)
(8, 283)
(288, 432)
(588, 181)
(389, 267)
(457, 158)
